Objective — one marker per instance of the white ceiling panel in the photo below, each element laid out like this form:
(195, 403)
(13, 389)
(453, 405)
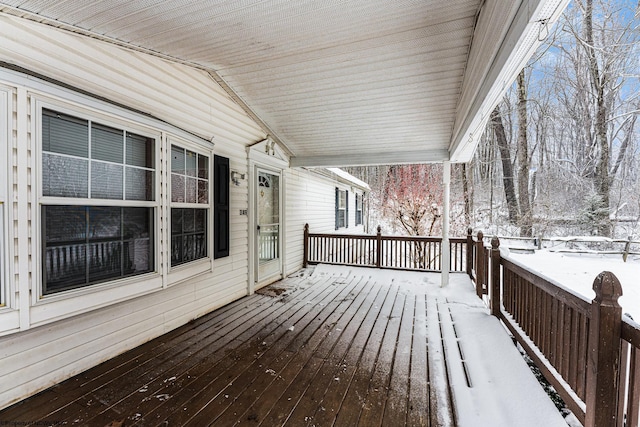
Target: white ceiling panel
(333, 80)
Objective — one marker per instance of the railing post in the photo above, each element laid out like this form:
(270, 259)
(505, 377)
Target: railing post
(603, 362)
(495, 277)
(305, 259)
(379, 247)
(480, 264)
(469, 251)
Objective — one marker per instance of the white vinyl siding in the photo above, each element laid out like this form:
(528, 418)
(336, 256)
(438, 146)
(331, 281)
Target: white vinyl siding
(87, 326)
(311, 200)
(45, 340)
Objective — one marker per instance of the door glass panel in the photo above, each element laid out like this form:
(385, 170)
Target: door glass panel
(268, 218)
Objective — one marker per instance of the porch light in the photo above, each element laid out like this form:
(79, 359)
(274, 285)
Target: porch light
(236, 177)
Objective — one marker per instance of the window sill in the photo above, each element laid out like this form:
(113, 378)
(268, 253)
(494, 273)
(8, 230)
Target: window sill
(51, 308)
(188, 270)
(9, 320)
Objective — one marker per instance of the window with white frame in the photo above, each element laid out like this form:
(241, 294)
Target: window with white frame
(98, 201)
(189, 205)
(342, 208)
(358, 209)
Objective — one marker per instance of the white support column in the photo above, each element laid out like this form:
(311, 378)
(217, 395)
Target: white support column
(446, 250)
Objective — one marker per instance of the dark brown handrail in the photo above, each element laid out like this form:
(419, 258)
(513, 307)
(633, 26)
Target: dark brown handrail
(586, 349)
(421, 253)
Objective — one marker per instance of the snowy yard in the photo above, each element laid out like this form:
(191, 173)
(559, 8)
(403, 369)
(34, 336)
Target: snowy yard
(578, 271)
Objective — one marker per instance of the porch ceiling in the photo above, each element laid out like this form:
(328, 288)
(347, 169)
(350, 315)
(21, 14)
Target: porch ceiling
(335, 82)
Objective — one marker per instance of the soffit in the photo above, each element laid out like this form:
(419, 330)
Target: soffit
(335, 82)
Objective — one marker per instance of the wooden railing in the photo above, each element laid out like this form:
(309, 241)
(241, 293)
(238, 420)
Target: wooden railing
(585, 349)
(392, 252)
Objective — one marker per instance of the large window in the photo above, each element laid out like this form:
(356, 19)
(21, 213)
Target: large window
(86, 164)
(189, 205)
(342, 208)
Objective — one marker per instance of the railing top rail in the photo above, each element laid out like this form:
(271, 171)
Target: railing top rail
(630, 331)
(563, 294)
(343, 236)
(412, 238)
(388, 237)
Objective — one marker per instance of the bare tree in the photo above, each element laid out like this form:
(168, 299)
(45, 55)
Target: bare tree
(525, 218)
(507, 169)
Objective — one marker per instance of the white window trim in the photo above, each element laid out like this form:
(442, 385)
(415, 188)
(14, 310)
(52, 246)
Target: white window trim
(33, 310)
(196, 267)
(9, 313)
(5, 132)
(344, 209)
(46, 308)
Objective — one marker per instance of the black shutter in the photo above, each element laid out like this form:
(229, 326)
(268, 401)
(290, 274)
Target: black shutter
(346, 208)
(221, 207)
(337, 210)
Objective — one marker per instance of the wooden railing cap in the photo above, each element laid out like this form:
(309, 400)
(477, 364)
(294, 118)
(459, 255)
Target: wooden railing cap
(607, 288)
(495, 242)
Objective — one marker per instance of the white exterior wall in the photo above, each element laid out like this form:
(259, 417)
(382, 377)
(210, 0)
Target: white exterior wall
(311, 199)
(46, 340)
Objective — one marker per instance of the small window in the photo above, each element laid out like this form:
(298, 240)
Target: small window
(359, 209)
(190, 205)
(87, 241)
(342, 208)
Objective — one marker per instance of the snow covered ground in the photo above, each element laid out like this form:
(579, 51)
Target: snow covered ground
(578, 271)
(490, 382)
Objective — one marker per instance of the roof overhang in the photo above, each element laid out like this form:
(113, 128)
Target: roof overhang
(335, 83)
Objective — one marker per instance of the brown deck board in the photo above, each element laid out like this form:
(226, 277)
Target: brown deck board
(254, 358)
(337, 365)
(418, 397)
(289, 364)
(331, 350)
(310, 359)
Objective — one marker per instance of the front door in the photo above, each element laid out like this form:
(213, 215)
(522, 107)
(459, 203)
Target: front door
(268, 227)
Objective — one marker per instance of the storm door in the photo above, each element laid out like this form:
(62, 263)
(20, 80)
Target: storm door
(268, 225)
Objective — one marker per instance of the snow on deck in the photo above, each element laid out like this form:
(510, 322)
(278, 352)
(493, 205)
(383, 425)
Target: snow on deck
(332, 345)
(490, 383)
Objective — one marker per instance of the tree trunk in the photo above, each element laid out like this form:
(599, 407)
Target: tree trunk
(601, 180)
(507, 170)
(468, 197)
(525, 219)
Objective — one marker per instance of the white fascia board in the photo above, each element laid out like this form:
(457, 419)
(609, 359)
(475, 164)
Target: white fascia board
(517, 47)
(371, 159)
(346, 176)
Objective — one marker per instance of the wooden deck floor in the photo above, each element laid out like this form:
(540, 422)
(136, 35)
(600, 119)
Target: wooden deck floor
(313, 350)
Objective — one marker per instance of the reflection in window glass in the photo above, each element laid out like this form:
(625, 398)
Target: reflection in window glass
(84, 245)
(189, 176)
(106, 181)
(64, 176)
(188, 235)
